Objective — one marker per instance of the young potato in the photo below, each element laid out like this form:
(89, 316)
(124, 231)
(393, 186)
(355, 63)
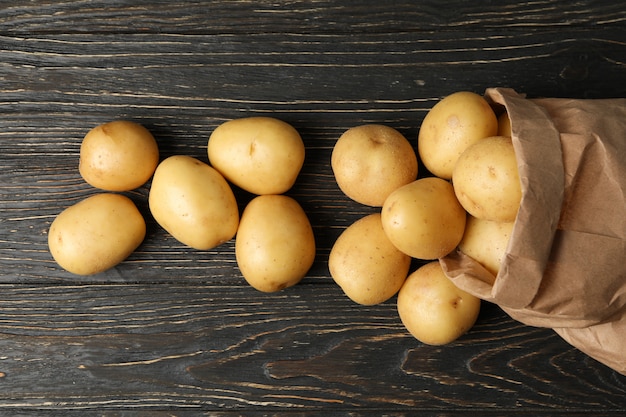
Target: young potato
(486, 180)
(275, 245)
(433, 309)
(365, 264)
(424, 219)
(371, 161)
(261, 155)
(96, 233)
(486, 241)
(193, 202)
(453, 124)
(504, 125)
(118, 156)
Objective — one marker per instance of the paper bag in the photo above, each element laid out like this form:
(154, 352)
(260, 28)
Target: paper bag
(565, 265)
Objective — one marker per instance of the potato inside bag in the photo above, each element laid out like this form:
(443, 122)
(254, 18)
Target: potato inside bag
(565, 265)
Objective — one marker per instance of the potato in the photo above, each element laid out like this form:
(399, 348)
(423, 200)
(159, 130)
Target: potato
(424, 219)
(118, 156)
(504, 125)
(371, 161)
(486, 180)
(451, 125)
(261, 155)
(96, 233)
(486, 242)
(433, 309)
(365, 264)
(193, 202)
(275, 245)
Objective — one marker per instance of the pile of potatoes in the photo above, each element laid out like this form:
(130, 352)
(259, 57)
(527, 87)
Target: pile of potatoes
(192, 200)
(469, 202)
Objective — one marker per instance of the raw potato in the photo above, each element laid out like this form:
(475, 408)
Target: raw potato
(433, 309)
(275, 245)
(424, 219)
(486, 242)
(96, 233)
(486, 180)
(262, 155)
(453, 124)
(365, 264)
(371, 161)
(118, 156)
(193, 202)
(504, 125)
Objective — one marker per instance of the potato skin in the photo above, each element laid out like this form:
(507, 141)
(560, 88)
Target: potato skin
(96, 233)
(365, 264)
(433, 309)
(370, 161)
(504, 125)
(275, 244)
(193, 202)
(261, 155)
(486, 180)
(424, 219)
(454, 123)
(118, 156)
(486, 241)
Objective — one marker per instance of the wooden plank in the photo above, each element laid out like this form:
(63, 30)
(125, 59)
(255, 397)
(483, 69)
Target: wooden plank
(158, 347)
(127, 70)
(144, 16)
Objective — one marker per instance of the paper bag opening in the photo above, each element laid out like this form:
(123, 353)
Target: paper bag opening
(565, 266)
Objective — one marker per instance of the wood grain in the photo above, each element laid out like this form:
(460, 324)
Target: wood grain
(229, 347)
(243, 16)
(174, 331)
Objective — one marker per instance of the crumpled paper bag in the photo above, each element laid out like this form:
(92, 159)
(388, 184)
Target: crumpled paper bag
(565, 265)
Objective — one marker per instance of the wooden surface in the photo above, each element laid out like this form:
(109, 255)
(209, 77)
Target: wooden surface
(174, 331)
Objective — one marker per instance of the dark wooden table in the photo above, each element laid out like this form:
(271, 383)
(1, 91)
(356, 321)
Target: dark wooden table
(174, 331)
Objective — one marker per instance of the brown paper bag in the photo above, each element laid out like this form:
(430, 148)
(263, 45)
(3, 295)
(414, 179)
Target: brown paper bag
(565, 265)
